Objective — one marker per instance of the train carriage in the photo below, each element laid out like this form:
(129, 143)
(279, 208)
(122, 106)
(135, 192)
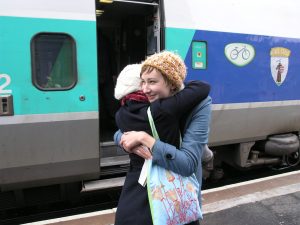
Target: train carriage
(59, 61)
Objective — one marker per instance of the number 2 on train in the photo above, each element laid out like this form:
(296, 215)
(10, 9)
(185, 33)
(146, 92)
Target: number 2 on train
(4, 84)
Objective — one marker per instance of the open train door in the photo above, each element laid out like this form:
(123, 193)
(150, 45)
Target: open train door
(127, 32)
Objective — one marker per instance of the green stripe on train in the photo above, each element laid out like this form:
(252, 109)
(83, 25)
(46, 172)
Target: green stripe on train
(179, 40)
(15, 60)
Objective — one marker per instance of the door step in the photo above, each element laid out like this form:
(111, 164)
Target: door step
(102, 184)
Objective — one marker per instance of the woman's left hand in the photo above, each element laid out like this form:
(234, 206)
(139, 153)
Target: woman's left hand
(132, 139)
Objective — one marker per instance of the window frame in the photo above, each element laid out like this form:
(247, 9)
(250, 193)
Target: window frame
(33, 62)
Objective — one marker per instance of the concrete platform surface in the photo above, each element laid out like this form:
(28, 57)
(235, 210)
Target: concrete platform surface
(272, 200)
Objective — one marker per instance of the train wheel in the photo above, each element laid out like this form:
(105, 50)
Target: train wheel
(293, 159)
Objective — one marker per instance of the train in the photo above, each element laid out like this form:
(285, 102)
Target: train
(59, 61)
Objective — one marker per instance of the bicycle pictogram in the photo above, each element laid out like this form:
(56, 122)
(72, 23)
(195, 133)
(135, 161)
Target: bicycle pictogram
(236, 52)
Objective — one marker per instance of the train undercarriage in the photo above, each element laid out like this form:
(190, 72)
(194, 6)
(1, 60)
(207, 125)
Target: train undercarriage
(277, 151)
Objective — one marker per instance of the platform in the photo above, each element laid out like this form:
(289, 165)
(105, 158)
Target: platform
(268, 201)
(272, 200)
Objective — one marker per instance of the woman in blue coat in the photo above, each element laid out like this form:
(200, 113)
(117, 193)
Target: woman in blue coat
(162, 76)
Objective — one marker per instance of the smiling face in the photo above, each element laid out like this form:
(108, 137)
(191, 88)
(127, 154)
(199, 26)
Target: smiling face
(155, 86)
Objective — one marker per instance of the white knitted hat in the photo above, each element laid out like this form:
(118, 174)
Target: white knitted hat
(128, 81)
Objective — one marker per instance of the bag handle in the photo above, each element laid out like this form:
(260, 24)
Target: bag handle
(152, 125)
(153, 128)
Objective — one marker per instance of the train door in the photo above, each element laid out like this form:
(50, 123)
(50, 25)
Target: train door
(48, 85)
(127, 31)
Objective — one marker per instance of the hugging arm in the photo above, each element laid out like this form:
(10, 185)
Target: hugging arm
(185, 160)
(183, 101)
(134, 142)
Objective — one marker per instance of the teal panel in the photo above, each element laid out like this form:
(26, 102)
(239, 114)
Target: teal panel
(179, 40)
(15, 60)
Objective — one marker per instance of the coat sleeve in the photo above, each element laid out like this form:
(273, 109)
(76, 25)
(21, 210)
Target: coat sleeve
(185, 160)
(182, 102)
(117, 137)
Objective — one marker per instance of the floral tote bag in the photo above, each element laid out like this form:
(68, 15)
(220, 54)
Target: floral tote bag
(173, 198)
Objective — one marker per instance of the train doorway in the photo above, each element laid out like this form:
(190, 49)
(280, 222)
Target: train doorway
(127, 31)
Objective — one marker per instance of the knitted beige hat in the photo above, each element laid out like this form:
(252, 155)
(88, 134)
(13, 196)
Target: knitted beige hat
(128, 81)
(170, 64)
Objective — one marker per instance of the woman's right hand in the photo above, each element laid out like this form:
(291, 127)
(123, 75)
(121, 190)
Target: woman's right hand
(142, 151)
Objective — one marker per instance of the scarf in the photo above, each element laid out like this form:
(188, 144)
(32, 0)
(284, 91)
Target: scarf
(138, 96)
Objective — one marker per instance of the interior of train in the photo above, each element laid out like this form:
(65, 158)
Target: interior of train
(127, 31)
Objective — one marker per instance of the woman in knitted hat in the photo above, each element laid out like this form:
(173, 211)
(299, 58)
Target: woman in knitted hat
(162, 76)
(170, 65)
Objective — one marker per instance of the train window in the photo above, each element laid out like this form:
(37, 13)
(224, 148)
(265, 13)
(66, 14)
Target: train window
(53, 58)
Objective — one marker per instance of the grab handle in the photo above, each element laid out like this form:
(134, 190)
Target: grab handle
(6, 105)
